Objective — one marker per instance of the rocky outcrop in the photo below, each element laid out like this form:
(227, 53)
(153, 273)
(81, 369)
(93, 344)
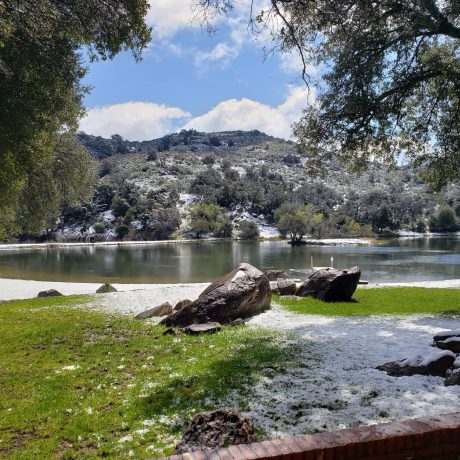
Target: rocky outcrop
(49, 293)
(451, 343)
(105, 288)
(435, 363)
(238, 294)
(161, 310)
(331, 285)
(222, 428)
(273, 275)
(445, 335)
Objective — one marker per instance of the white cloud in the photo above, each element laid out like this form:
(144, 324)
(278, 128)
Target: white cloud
(134, 121)
(167, 17)
(222, 53)
(247, 114)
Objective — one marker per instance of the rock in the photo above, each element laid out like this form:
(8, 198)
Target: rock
(274, 287)
(452, 344)
(181, 304)
(202, 328)
(170, 331)
(162, 310)
(49, 293)
(453, 378)
(273, 275)
(237, 322)
(444, 335)
(238, 294)
(105, 288)
(290, 297)
(221, 428)
(435, 363)
(287, 287)
(331, 285)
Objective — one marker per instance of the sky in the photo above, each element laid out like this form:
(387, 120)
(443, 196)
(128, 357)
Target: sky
(191, 79)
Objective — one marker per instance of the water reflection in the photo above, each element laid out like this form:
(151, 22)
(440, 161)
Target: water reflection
(394, 260)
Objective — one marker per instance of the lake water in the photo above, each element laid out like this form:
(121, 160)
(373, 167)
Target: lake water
(395, 260)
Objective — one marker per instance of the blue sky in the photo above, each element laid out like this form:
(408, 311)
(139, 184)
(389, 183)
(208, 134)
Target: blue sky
(189, 79)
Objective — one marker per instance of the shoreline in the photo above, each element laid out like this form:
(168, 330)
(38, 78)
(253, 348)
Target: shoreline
(150, 294)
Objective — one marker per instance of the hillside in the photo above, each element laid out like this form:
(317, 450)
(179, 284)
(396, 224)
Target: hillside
(248, 175)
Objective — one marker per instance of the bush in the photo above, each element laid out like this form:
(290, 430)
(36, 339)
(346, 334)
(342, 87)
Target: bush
(208, 160)
(121, 231)
(99, 228)
(248, 230)
(209, 218)
(119, 206)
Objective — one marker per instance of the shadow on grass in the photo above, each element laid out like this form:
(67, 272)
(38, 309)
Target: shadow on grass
(203, 390)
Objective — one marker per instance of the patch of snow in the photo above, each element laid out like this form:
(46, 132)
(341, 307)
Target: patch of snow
(336, 384)
(127, 438)
(449, 332)
(68, 368)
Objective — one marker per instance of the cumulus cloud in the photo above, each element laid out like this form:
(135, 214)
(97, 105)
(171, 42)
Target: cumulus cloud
(135, 121)
(167, 17)
(222, 53)
(247, 114)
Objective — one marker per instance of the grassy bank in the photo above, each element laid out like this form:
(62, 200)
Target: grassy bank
(82, 384)
(382, 301)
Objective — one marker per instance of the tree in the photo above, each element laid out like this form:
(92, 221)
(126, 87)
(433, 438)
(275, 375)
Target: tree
(65, 180)
(163, 223)
(248, 230)
(40, 77)
(391, 71)
(119, 206)
(444, 221)
(293, 219)
(208, 218)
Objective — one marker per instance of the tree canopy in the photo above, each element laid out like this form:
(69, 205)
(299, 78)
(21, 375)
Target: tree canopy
(391, 74)
(41, 69)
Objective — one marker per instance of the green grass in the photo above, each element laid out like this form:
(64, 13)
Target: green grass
(382, 301)
(129, 377)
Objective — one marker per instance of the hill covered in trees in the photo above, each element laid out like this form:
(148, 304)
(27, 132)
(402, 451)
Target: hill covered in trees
(244, 184)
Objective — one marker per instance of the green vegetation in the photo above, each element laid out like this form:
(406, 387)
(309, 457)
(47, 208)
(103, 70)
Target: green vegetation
(382, 301)
(248, 230)
(209, 219)
(41, 90)
(128, 387)
(391, 75)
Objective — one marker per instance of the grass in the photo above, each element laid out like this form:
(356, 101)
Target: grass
(76, 383)
(382, 301)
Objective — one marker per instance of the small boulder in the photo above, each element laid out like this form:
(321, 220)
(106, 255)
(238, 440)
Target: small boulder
(287, 287)
(162, 310)
(436, 363)
(274, 287)
(273, 275)
(182, 304)
(203, 328)
(105, 289)
(221, 428)
(444, 335)
(237, 322)
(49, 293)
(331, 285)
(243, 292)
(452, 344)
(453, 378)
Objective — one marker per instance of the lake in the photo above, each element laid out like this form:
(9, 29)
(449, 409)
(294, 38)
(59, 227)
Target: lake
(394, 260)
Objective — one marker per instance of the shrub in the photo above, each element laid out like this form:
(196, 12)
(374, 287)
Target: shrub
(121, 230)
(248, 230)
(119, 206)
(99, 227)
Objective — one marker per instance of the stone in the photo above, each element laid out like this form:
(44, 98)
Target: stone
(435, 363)
(240, 293)
(237, 322)
(161, 310)
(105, 288)
(287, 287)
(202, 328)
(444, 335)
(49, 293)
(453, 378)
(331, 285)
(170, 331)
(274, 287)
(452, 344)
(181, 304)
(273, 275)
(221, 428)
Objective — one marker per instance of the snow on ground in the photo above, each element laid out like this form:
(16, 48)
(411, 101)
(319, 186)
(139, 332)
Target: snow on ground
(336, 384)
(340, 242)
